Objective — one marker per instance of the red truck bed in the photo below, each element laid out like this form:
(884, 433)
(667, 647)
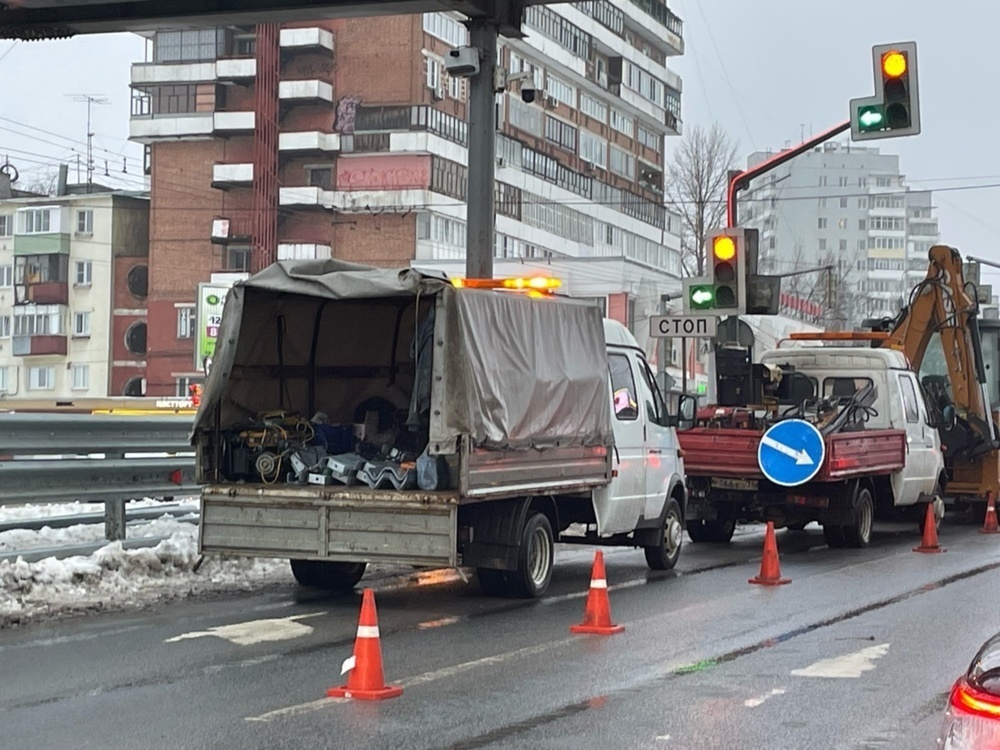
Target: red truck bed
(725, 452)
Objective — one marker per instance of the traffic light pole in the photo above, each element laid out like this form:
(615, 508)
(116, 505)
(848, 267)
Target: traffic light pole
(741, 180)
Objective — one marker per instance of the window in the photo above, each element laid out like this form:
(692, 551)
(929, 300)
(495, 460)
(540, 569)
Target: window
(237, 258)
(321, 177)
(560, 133)
(446, 28)
(81, 377)
(185, 322)
(644, 84)
(656, 410)
(862, 224)
(4, 326)
(560, 90)
(197, 45)
(862, 182)
(525, 117)
(593, 108)
(650, 140)
(862, 203)
(822, 181)
(622, 124)
(883, 182)
(843, 182)
(843, 387)
(81, 324)
(822, 202)
(841, 223)
(41, 378)
(843, 245)
(456, 88)
(622, 163)
(843, 202)
(35, 220)
(623, 387)
(180, 99)
(822, 244)
(84, 273)
(3, 380)
(6, 226)
(85, 222)
(593, 149)
(434, 74)
(910, 406)
(821, 223)
(38, 320)
(6, 276)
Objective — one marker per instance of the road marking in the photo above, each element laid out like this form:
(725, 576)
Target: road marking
(801, 457)
(255, 631)
(421, 679)
(663, 738)
(847, 666)
(754, 702)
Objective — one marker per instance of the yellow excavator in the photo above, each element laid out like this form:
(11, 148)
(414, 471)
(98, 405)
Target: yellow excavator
(939, 331)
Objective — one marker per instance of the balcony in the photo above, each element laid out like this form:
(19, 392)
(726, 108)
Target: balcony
(305, 91)
(312, 141)
(236, 69)
(43, 293)
(151, 74)
(37, 346)
(302, 196)
(304, 251)
(41, 244)
(225, 176)
(171, 127)
(306, 39)
(233, 123)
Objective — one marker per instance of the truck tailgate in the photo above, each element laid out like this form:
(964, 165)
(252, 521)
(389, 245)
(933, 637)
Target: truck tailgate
(348, 524)
(723, 452)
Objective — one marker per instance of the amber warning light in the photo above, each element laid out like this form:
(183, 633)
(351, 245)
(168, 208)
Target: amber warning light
(532, 284)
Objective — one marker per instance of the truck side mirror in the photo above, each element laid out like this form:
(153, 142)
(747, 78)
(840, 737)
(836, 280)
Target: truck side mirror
(687, 410)
(948, 417)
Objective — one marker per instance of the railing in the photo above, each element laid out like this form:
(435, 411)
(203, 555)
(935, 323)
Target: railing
(59, 458)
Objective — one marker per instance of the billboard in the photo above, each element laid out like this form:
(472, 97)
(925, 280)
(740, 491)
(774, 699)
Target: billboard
(211, 300)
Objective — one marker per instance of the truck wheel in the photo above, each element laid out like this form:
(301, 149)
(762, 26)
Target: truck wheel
(664, 554)
(834, 536)
(534, 559)
(714, 532)
(859, 533)
(336, 577)
(493, 582)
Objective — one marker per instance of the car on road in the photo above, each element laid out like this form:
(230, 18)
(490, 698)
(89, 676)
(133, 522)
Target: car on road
(972, 719)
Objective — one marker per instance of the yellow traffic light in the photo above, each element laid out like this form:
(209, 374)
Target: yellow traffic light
(894, 64)
(723, 248)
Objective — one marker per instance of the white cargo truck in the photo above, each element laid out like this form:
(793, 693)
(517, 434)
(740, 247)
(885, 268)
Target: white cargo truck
(356, 415)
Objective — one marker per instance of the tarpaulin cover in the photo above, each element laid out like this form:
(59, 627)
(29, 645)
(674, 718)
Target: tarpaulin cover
(510, 372)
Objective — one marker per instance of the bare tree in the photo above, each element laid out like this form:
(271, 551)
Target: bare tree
(697, 180)
(43, 183)
(834, 289)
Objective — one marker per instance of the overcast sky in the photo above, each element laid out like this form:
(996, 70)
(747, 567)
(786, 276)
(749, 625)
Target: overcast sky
(768, 71)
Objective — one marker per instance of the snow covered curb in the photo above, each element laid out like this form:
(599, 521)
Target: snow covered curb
(114, 578)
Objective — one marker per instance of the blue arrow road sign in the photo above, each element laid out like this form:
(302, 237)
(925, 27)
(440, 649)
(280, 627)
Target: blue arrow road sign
(791, 452)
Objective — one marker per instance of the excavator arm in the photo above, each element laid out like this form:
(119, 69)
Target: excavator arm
(941, 303)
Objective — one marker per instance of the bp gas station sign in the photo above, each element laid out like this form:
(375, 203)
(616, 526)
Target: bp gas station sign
(211, 300)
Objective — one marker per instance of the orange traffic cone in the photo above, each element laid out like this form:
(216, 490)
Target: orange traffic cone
(929, 542)
(990, 524)
(770, 568)
(597, 614)
(365, 681)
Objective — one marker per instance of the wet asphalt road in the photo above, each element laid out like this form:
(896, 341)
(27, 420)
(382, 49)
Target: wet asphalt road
(706, 660)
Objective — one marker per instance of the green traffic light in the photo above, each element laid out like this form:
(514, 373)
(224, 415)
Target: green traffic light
(702, 297)
(871, 118)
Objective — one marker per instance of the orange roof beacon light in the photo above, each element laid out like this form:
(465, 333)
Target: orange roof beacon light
(535, 286)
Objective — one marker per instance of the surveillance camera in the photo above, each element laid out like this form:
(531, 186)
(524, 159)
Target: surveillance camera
(528, 93)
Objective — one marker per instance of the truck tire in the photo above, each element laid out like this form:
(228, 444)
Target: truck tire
(664, 554)
(336, 577)
(714, 532)
(859, 533)
(534, 564)
(834, 536)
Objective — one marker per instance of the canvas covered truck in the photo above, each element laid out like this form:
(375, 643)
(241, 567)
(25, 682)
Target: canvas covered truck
(835, 434)
(356, 415)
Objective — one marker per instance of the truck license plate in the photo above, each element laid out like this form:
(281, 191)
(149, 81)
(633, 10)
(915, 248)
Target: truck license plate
(725, 483)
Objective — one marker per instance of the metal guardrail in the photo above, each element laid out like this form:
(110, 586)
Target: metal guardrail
(57, 458)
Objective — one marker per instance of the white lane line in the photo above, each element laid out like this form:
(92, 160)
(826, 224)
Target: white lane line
(754, 702)
(422, 679)
(255, 631)
(850, 666)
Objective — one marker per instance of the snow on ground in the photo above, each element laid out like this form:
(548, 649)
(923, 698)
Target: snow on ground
(114, 578)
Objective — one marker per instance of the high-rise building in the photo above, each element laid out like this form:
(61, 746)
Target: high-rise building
(73, 278)
(372, 158)
(848, 208)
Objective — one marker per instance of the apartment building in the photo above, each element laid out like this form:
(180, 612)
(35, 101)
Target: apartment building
(73, 288)
(372, 149)
(850, 208)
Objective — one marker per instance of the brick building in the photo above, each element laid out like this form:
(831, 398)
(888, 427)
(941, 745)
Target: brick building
(371, 148)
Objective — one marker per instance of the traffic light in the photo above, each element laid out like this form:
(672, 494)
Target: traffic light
(895, 109)
(722, 290)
